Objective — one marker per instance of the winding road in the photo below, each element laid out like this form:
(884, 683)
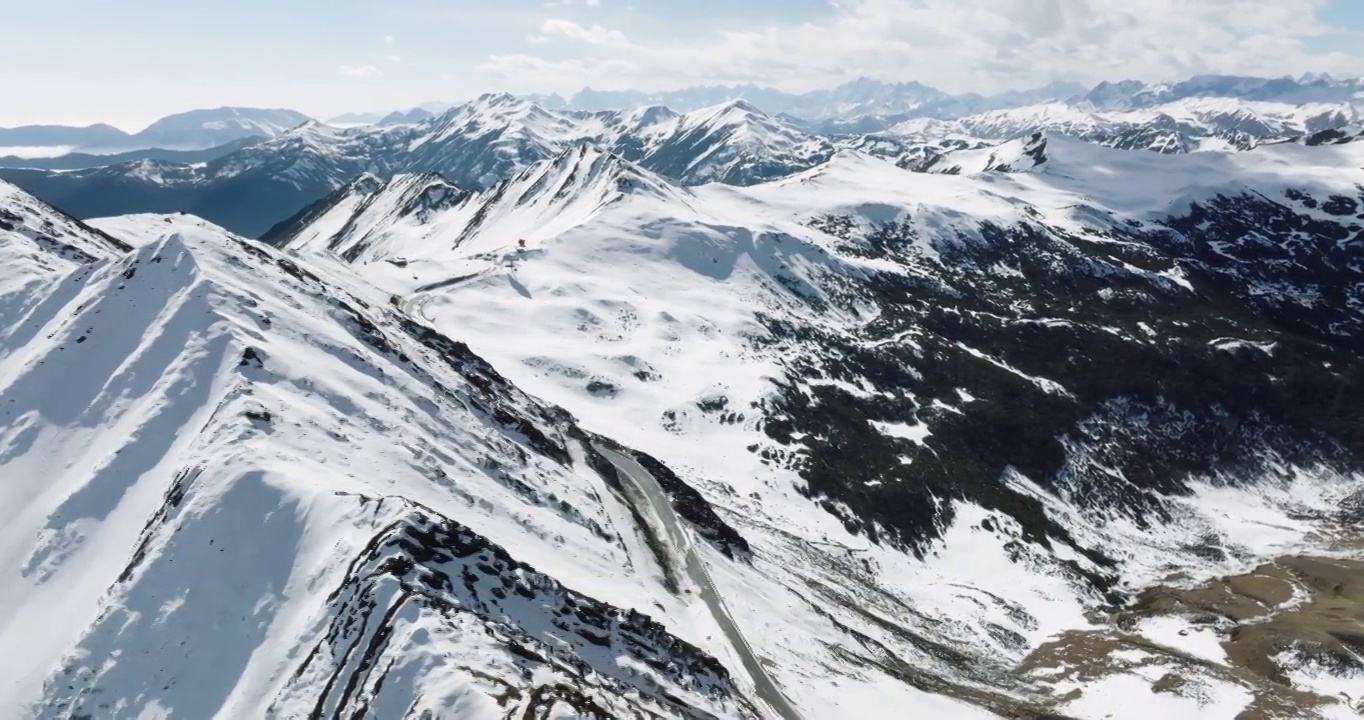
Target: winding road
(646, 486)
(695, 567)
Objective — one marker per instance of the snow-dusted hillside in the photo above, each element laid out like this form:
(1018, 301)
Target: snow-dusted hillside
(235, 486)
(148, 227)
(948, 413)
(37, 240)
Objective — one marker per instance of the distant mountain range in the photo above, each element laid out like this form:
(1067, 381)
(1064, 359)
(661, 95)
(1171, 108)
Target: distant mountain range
(251, 187)
(193, 130)
(861, 106)
(474, 145)
(85, 160)
(849, 106)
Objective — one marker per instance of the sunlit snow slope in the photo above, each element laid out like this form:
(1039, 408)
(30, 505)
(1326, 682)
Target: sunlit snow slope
(234, 487)
(37, 239)
(949, 413)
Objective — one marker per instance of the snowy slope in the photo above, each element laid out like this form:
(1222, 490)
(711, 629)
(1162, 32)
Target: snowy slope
(239, 488)
(928, 401)
(37, 240)
(147, 227)
(855, 439)
(1146, 186)
(410, 215)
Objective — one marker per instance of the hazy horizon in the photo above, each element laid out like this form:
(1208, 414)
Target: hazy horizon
(50, 151)
(129, 65)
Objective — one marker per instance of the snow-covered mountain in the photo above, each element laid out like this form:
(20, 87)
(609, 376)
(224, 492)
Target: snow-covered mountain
(1307, 89)
(198, 129)
(950, 415)
(857, 107)
(480, 143)
(1178, 127)
(585, 440)
(734, 143)
(37, 240)
(475, 145)
(206, 512)
(866, 105)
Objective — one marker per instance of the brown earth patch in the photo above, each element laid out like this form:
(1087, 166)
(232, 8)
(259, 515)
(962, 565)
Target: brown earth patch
(1294, 610)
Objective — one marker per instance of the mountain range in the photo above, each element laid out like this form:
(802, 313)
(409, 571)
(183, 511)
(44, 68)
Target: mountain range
(863, 105)
(891, 101)
(531, 413)
(193, 130)
(250, 186)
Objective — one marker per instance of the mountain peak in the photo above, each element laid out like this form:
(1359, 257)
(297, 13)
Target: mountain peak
(367, 183)
(651, 114)
(422, 194)
(732, 108)
(587, 170)
(1025, 154)
(743, 105)
(496, 99)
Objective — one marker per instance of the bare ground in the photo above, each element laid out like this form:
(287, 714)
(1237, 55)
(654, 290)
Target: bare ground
(1294, 611)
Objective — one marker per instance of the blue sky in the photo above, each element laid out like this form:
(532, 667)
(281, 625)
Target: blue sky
(82, 61)
(1346, 14)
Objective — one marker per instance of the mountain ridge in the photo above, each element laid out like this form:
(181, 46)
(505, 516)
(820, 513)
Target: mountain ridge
(478, 144)
(229, 319)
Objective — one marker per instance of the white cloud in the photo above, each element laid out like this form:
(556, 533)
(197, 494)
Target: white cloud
(592, 35)
(361, 71)
(959, 45)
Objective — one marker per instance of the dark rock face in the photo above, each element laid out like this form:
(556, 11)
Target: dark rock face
(686, 501)
(1109, 369)
(429, 567)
